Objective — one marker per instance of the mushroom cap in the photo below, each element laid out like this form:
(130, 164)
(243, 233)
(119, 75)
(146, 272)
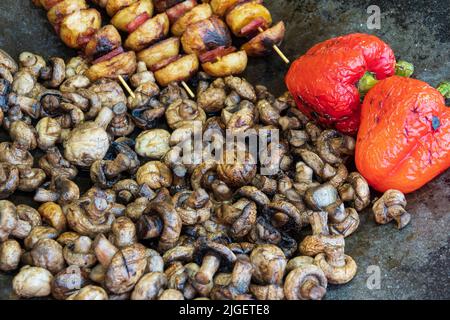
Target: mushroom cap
(126, 268)
(322, 196)
(10, 252)
(149, 286)
(67, 281)
(48, 254)
(155, 174)
(306, 282)
(267, 292)
(32, 282)
(236, 173)
(89, 292)
(337, 274)
(153, 144)
(86, 144)
(269, 264)
(171, 294)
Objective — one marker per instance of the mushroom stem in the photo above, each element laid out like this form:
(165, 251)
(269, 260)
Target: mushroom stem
(104, 117)
(209, 267)
(104, 250)
(312, 290)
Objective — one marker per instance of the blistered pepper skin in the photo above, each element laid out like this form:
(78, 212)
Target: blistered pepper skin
(323, 81)
(404, 138)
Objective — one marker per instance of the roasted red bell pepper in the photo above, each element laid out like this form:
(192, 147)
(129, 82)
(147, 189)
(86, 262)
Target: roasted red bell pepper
(404, 138)
(324, 81)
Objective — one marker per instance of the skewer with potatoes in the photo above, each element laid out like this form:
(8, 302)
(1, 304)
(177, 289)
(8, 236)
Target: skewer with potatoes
(251, 19)
(205, 38)
(80, 27)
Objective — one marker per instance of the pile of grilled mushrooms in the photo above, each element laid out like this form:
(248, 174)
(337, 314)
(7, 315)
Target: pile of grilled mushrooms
(150, 227)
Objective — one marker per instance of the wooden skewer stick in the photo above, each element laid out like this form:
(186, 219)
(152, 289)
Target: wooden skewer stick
(277, 50)
(125, 84)
(189, 91)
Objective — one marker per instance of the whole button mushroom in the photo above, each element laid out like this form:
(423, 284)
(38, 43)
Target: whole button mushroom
(240, 216)
(38, 233)
(123, 232)
(305, 282)
(68, 281)
(150, 286)
(213, 255)
(124, 267)
(89, 141)
(32, 282)
(234, 172)
(269, 263)
(267, 292)
(9, 179)
(153, 144)
(52, 214)
(89, 293)
(10, 252)
(80, 253)
(183, 112)
(154, 174)
(391, 206)
(356, 191)
(333, 146)
(171, 294)
(8, 219)
(338, 267)
(193, 207)
(48, 254)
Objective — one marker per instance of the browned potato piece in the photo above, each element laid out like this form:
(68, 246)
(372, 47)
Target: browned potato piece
(262, 44)
(182, 69)
(220, 7)
(199, 13)
(104, 41)
(245, 13)
(78, 25)
(123, 17)
(112, 6)
(231, 64)
(148, 33)
(122, 64)
(47, 4)
(65, 8)
(206, 35)
(162, 50)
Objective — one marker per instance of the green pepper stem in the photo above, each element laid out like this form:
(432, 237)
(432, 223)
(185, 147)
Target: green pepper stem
(444, 89)
(366, 83)
(404, 69)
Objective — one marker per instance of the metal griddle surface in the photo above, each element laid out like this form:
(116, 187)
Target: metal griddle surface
(414, 263)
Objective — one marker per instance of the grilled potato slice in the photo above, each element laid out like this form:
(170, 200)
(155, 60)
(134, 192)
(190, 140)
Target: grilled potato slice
(122, 64)
(148, 33)
(206, 35)
(180, 70)
(113, 6)
(245, 13)
(104, 41)
(127, 15)
(231, 64)
(80, 24)
(262, 44)
(220, 7)
(48, 4)
(64, 8)
(198, 13)
(158, 52)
